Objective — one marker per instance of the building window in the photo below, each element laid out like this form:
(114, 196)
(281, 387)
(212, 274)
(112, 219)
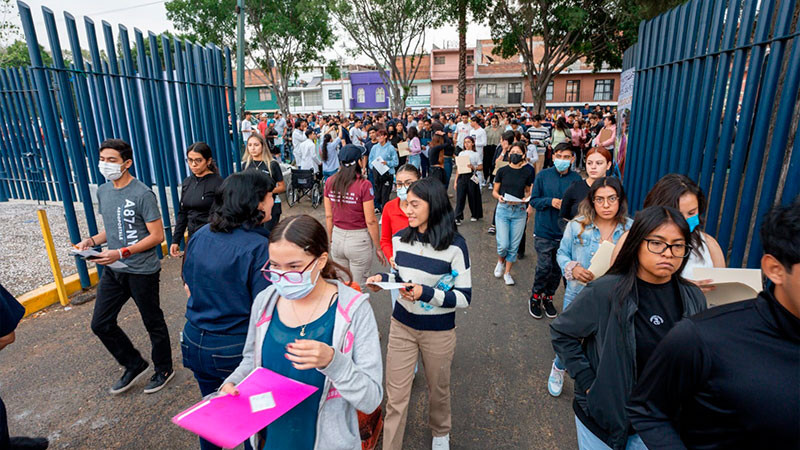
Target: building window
(470, 89)
(548, 94)
(295, 100)
(573, 91)
(335, 94)
(380, 95)
(470, 59)
(413, 91)
(361, 96)
(491, 90)
(447, 89)
(438, 60)
(603, 89)
(264, 95)
(313, 98)
(514, 88)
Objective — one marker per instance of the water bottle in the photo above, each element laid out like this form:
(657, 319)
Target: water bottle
(447, 281)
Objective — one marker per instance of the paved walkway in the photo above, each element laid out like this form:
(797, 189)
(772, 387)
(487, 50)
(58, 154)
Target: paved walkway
(55, 378)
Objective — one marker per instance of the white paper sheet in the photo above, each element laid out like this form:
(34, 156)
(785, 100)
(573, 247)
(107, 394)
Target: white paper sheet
(731, 285)
(388, 286)
(601, 261)
(85, 254)
(378, 164)
(511, 198)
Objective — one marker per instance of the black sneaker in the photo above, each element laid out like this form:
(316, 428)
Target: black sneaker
(158, 381)
(549, 309)
(535, 306)
(128, 378)
(492, 230)
(458, 222)
(29, 443)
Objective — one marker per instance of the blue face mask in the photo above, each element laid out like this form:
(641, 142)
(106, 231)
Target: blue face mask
(402, 193)
(561, 164)
(693, 222)
(295, 291)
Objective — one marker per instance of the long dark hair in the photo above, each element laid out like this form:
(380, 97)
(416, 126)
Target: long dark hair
(236, 202)
(589, 213)
(441, 228)
(561, 124)
(627, 263)
(325, 141)
(307, 233)
(412, 133)
(344, 178)
(205, 150)
(668, 192)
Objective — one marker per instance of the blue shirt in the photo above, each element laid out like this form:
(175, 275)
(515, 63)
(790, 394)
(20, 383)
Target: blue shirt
(297, 429)
(385, 151)
(223, 272)
(549, 184)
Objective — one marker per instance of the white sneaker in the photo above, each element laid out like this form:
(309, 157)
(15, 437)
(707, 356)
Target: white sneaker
(473, 219)
(508, 279)
(556, 381)
(441, 443)
(499, 269)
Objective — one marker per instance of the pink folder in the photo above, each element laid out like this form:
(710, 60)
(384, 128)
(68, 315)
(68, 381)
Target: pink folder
(227, 421)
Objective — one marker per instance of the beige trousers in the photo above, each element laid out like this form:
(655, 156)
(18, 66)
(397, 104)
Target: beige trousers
(354, 250)
(405, 344)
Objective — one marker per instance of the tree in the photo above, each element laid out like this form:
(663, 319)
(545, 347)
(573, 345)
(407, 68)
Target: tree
(392, 34)
(8, 29)
(551, 35)
(477, 8)
(283, 34)
(16, 55)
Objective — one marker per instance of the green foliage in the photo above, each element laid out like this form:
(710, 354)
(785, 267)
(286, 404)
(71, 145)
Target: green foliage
(333, 70)
(16, 55)
(8, 29)
(652, 8)
(208, 21)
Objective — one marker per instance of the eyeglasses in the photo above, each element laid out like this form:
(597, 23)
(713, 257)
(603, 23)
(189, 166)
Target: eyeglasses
(294, 277)
(612, 200)
(407, 184)
(659, 247)
(195, 162)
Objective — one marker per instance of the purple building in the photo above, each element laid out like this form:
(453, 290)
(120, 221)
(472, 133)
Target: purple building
(368, 91)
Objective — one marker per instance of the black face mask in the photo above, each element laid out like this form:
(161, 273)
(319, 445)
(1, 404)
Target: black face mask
(515, 158)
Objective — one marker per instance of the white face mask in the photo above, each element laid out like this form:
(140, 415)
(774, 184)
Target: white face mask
(111, 171)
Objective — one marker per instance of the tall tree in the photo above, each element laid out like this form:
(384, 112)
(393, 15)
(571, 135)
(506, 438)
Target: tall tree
(283, 34)
(462, 54)
(392, 34)
(16, 55)
(551, 35)
(8, 29)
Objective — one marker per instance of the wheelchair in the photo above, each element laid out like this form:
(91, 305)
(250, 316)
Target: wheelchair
(305, 183)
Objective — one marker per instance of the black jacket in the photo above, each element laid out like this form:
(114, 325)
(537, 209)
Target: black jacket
(591, 327)
(197, 196)
(724, 379)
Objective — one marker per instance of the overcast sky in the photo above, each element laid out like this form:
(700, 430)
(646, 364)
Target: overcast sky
(150, 15)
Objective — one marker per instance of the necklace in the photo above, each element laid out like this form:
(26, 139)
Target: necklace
(303, 328)
(608, 236)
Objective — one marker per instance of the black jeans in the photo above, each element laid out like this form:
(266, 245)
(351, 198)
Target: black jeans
(488, 161)
(3, 426)
(113, 292)
(438, 173)
(468, 192)
(383, 188)
(548, 274)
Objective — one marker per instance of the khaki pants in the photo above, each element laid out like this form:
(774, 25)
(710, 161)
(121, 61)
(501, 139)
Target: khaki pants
(437, 348)
(353, 249)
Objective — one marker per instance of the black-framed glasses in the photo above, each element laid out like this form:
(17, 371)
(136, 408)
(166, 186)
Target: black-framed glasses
(292, 276)
(192, 161)
(612, 200)
(401, 185)
(659, 247)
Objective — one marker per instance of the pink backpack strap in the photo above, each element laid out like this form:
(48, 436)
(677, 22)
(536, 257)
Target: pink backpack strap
(345, 312)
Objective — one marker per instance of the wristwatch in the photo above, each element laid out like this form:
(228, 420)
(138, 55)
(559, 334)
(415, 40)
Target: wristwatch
(125, 252)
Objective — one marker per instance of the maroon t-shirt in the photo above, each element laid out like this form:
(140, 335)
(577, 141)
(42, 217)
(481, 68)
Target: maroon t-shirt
(348, 212)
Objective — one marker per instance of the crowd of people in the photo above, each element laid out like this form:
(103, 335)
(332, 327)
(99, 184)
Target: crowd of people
(652, 367)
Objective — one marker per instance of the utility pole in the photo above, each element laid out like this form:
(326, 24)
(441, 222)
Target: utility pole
(240, 59)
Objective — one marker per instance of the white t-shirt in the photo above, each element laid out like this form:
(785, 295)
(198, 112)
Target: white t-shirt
(463, 131)
(247, 129)
(479, 134)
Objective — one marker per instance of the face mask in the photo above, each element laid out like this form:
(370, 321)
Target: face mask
(110, 171)
(296, 291)
(561, 164)
(402, 193)
(693, 222)
(515, 158)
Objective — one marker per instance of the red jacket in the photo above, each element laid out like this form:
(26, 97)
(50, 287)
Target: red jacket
(393, 219)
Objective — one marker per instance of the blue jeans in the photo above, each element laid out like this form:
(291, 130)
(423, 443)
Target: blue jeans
(425, 165)
(588, 441)
(510, 226)
(448, 169)
(326, 175)
(415, 160)
(286, 151)
(212, 358)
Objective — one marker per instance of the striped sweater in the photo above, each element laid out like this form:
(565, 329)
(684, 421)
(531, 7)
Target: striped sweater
(418, 262)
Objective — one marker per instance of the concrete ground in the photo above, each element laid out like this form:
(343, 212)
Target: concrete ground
(55, 378)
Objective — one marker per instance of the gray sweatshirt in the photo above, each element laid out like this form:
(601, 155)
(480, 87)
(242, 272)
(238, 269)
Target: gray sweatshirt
(353, 379)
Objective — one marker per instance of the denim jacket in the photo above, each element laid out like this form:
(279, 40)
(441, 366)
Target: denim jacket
(581, 247)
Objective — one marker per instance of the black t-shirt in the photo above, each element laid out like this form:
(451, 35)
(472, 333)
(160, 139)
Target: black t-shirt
(660, 308)
(572, 198)
(274, 170)
(514, 181)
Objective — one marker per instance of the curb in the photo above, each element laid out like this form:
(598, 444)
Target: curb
(44, 296)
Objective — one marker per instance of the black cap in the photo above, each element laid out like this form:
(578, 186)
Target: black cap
(350, 153)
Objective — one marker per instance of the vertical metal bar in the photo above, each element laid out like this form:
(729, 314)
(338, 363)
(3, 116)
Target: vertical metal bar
(212, 103)
(655, 119)
(197, 125)
(113, 68)
(678, 153)
(221, 109)
(638, 116)
(179, 144)
(52, 134)
(133, 105)
(98, 77)
(183, 93)
(671, 77)
(30, 152)
(235, 139)
(780, 135)
(17, 166)
(44, 150)
(8, 144)
(203, 97)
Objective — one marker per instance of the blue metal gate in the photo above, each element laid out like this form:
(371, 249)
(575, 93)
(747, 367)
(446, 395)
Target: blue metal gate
(715, 98)
(52, 119)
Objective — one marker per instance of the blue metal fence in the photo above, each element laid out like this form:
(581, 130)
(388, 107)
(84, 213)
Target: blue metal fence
(715, 98)
(53, 118)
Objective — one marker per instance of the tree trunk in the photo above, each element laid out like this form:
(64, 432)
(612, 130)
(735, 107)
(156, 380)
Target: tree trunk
(397, 102)
(282, 93)
(538, 93)
(462, 54)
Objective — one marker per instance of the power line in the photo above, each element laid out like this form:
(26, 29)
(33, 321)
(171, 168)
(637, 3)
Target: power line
(128, 8)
